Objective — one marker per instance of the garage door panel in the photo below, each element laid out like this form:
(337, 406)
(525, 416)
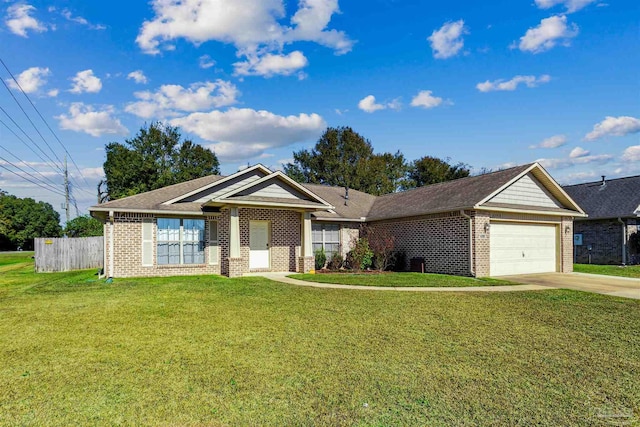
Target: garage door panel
(522, 248)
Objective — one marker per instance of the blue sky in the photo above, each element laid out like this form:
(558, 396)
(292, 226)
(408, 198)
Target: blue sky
(491, 84)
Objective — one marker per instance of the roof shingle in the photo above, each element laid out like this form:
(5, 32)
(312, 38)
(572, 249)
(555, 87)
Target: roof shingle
(617, 198)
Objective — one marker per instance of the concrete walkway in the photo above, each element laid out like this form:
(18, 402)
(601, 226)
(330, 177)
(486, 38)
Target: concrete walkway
(282, 277)
(600, 284)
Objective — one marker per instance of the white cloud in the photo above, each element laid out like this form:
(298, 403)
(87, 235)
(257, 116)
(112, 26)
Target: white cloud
(170, 100)
(578, 152)
(31, 79)
(616, 126)
(554, 141)
(53, 93)
(562, 163)
(85, 81)
(268, 65)
(244, 133)
(138, 76)
(85, 118)
(631, 154)
(19, 20)
(425, 99)
(205, 61)
(253, 27)
(66, 13)
(369, 105)
(447, 40)
(571, 5)
(551, 31)
(509, 85)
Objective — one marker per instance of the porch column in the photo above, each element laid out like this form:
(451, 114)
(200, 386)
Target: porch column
(306, 260)
(307, 248)
(234, 234)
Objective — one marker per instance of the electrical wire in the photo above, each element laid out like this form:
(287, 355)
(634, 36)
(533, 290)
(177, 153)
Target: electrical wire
(45, 122)
(43, 186)
(28, 165)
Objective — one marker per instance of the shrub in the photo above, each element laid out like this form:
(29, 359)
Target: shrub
(400, 261)
(335, 262)
(382, 243)
(321, 259)
(361, 255)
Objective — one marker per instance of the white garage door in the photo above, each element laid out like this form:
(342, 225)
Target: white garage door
(522, 248)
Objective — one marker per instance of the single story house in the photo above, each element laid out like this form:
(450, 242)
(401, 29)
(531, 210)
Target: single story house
(613, 207)
(513, 221)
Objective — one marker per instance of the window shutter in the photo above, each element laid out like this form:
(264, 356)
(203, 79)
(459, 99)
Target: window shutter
(147, 242)
(213, 242)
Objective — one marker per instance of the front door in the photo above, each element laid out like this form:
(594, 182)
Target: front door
(258, 244)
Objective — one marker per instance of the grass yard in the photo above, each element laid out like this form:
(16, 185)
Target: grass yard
(212, 351)
(400, 279)
(609, 270)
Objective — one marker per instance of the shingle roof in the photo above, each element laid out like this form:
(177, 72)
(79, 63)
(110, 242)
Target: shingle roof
(358, 205)
(616, 198)
(152, 200)
(446, 196)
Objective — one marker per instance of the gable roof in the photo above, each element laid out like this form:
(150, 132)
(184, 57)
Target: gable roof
(617, 198)
(474, 192)
(328, 203)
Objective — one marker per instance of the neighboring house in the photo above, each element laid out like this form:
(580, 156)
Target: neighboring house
(613, 207)
(517, 220)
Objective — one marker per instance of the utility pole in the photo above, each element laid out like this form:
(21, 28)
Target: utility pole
(66, 189)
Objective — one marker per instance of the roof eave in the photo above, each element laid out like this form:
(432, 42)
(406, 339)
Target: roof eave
(152, 211)
(530, 211)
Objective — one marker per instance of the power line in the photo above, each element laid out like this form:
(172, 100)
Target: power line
(39, 184)
(29, 119)
(45, 122)
(28, 165)
(51, 162)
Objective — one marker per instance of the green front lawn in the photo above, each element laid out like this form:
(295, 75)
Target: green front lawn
(609, 270)
(399, 279)
(213, 351)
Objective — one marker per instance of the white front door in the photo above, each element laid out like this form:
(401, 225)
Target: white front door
(522, 248)
(258, 244)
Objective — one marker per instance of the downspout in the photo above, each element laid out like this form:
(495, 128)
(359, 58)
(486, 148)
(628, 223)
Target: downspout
(464, 215)
(111, 242)
(624, 241)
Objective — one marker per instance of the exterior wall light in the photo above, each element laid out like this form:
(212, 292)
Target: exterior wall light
(486, 227)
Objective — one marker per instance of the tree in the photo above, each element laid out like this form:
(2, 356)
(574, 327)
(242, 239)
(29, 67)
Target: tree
(83, 226)
(24, 219)
(153, 159)
(431, 170)
(344, 158)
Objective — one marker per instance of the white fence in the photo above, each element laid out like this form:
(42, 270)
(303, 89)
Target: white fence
(67, 254)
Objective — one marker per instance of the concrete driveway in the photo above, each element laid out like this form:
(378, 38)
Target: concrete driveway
(607, 285)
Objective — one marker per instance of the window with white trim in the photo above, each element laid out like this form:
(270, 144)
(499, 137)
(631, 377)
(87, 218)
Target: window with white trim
(325, 236)
(180, 241)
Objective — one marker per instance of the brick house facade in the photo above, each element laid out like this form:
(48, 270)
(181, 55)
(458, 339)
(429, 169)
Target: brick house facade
(261, 221)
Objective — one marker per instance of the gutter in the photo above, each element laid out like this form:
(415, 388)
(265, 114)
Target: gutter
(464, 215)
(624, 241)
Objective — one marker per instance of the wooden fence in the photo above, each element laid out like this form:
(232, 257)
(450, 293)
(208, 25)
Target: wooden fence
(67, 254)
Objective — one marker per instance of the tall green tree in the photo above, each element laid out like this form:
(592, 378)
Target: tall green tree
(154, 158)
(431, 170)
(342, 157)
(25, 219)
(83, 226)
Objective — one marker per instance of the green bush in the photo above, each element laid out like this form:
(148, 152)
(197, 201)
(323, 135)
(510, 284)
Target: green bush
(321, 259)
(361, 256)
